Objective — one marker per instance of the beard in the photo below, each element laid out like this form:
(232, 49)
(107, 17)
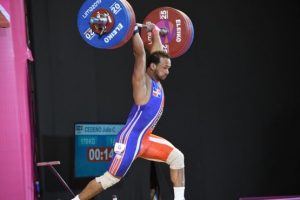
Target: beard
(160, 77)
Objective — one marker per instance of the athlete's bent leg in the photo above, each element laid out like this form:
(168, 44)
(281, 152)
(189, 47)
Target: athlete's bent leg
(159, 149)
(176, 162)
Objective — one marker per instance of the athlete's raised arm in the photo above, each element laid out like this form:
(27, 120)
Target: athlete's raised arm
(139, 83)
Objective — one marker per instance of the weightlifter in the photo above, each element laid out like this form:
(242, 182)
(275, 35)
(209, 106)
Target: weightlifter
(136, 139)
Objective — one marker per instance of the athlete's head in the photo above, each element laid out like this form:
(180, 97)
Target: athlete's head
(159, 63)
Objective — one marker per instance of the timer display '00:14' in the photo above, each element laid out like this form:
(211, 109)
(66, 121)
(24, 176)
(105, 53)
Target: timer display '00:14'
(100, 154)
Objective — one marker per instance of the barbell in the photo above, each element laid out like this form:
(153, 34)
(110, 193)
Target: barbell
(109, 24)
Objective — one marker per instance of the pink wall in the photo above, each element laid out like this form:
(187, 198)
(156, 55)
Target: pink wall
(16, 160)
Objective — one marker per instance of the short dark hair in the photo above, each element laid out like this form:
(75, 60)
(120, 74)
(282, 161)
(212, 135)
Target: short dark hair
(155, 57)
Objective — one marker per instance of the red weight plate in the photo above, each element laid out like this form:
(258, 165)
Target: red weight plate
(190, 34)
(182, 50)
(177, 26)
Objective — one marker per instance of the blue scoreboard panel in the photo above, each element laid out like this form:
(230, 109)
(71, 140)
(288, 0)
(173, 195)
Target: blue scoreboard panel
(94, 148)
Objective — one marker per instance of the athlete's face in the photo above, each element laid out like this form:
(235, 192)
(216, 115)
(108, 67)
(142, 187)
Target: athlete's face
(162, 69)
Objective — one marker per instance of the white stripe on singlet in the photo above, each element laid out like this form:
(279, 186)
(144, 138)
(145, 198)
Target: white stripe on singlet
(129, 125)
(160, 141)
(143, 131)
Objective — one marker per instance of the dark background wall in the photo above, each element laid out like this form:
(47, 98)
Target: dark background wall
(232, 101)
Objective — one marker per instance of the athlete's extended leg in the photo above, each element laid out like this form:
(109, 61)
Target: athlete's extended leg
(159, 149)
(92, 189)
(97, 185)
